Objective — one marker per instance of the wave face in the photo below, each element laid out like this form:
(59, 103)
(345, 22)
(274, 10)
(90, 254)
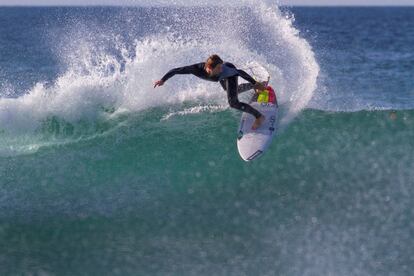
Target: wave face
(111, 66)
(100, 173)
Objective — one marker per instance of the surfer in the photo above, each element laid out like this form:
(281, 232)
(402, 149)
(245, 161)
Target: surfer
(214, 69)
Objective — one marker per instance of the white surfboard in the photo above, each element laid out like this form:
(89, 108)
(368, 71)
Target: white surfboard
(253, 143)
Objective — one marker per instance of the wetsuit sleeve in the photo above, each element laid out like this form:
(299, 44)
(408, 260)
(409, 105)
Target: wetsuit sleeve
(246, 76)
(191, 69)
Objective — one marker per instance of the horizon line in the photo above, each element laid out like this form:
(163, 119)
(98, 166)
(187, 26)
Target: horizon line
(284, 5)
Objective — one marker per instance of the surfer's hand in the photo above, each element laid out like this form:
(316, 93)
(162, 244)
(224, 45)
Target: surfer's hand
(158, 83)
(260, 86)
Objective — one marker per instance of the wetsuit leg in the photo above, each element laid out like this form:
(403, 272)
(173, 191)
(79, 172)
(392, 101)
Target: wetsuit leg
(234, 101)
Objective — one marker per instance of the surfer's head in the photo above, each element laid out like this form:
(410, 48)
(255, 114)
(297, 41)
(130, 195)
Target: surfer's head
(213, 65)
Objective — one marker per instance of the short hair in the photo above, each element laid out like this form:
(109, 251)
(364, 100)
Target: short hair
(213, 61)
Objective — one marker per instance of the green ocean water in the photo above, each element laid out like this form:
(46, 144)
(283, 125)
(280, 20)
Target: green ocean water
(333, 195)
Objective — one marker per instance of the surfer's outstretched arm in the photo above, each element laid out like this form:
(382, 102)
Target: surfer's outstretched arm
(191, 69)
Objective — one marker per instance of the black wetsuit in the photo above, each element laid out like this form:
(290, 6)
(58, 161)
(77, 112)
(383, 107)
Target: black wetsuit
(227, 79)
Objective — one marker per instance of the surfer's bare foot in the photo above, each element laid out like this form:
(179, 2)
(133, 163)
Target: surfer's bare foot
(258, 122)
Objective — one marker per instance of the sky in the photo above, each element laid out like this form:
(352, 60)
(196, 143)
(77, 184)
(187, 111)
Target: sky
(285, 2)
(349, 2)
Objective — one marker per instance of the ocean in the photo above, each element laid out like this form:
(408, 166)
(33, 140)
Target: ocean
(101, 174)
